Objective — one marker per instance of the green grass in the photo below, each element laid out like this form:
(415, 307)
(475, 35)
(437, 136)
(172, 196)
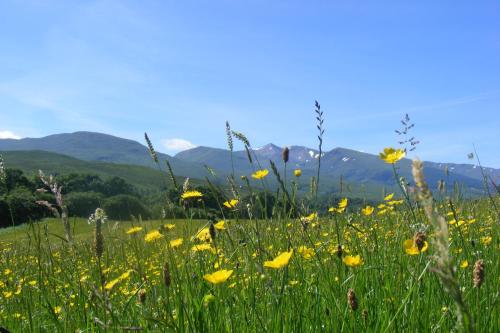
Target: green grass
(48, 285)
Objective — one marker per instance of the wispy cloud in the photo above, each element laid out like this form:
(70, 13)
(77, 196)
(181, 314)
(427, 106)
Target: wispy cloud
(8, 135)
(176, 144)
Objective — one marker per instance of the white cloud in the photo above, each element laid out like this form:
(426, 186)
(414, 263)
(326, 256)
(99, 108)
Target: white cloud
(8, 135)
(177, 144)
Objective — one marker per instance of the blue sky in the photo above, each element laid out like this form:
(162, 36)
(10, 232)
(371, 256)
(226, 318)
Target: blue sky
(180, 69)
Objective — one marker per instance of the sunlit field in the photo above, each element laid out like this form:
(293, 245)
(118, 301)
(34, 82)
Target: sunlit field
(351, 269)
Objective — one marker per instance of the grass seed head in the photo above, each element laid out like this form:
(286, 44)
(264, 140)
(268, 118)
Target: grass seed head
(286, 154)
(419, 240)
(352, 300)
(478, 274)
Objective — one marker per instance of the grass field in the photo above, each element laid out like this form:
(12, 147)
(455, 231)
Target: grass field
(158, 278)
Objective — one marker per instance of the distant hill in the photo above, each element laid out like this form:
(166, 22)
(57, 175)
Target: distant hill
(90, 146)
(356, 172)
(353, 166)
(144, 178)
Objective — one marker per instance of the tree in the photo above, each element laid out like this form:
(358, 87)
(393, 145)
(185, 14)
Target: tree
(83, 204)
(123, 207)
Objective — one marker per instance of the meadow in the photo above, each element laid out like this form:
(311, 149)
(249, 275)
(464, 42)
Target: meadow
(274, 275)
(409, 263)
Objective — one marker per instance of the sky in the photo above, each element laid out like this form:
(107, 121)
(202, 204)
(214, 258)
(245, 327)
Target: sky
(179, 69)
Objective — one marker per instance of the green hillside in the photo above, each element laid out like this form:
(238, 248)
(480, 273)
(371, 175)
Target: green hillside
(144, 178)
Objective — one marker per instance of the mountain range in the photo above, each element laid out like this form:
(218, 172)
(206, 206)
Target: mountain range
(357, 171)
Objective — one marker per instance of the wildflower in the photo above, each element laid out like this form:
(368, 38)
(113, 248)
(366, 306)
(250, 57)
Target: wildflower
(297, 172)
(391, 155)
(464, 264)
(389, 197)
(133, 230)
(176, 243)
(122, 277)
(203, 247)
(309, 218)
(411, 248)
(352, 300)
(368, 210)
(7, 294)
(231, 203)
(220, 225)
(353, 261)
(219, 276)
(203, 235)
(306, 252)
(260, 174)
(98, 215)
(486, 240)
(280, 261)
(152, 236)
(191, 194)
(343, 203)
(478, 273)
(169, 226)
(341, 207)
(57, 310)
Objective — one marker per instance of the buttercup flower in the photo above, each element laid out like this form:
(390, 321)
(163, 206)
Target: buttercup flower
(391, 155)
(260, 174)
(280, 261)
(219, 276)
(191, 194)
(353, 261)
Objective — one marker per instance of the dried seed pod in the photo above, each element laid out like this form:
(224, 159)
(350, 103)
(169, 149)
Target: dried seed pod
(166, 275)
(352, 300)
(478, 273)
(340, 251)
(211, 229)
(142, 296)
(286, 154)
(419, 240)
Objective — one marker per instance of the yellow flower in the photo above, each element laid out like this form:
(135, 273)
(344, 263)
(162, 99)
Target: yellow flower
(152, 236)
(203, 247)
(169, 226)
(353, 260)
(203, 235)
(297, 172)
(220, 225)
(219, 276)
(280, 261)
(133, 230)
(411, 248)
(191, 194)
(464, 264)
(231, 203)
(306, 252)
(57, 309)
(176, 242)
(389, 197)
(368, 210)
(486, 240)
(7, 294)
(343, 203)
(309, 218)
(260, 174)
(122, 277)
(391, 155)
